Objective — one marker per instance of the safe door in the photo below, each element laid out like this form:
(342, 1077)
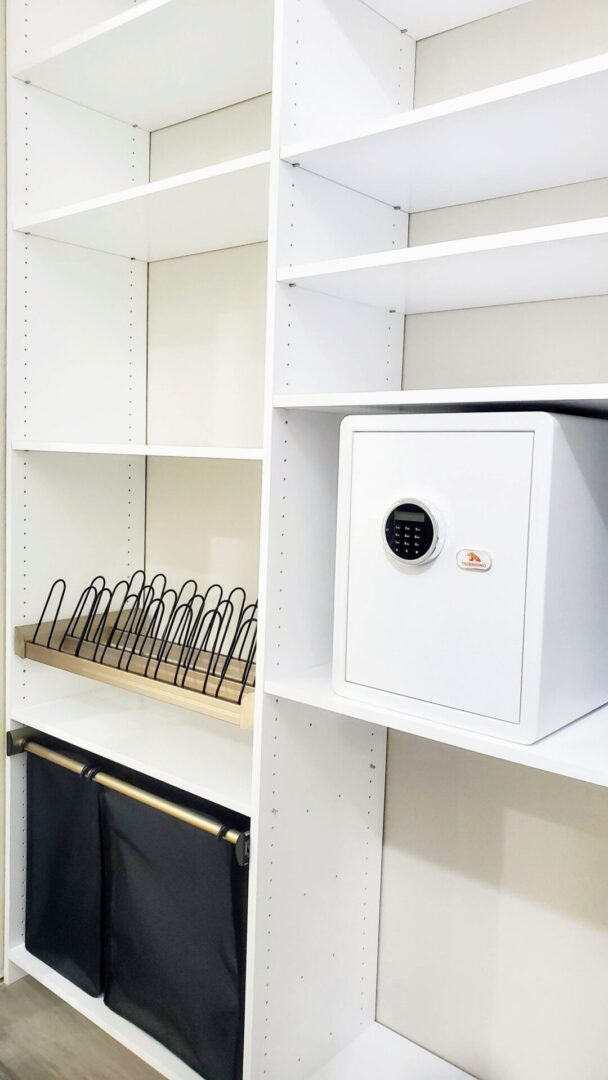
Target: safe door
(437, 564)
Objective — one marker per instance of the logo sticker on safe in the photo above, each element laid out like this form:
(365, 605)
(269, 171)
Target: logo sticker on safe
(474, 559)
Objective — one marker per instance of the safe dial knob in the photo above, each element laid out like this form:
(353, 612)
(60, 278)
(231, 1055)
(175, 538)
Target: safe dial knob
(413, 532)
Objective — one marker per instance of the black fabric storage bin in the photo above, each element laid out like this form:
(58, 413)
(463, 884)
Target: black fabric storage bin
(175, 946)
(63, 924)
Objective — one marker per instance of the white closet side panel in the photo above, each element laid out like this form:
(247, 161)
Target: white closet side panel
(232, 132)
(507, 46)
(15, 853)
(323, 220)
(77, 344)
(302, 541)
(317, 888)
(342, 62)
(324, 344)
(72, 516)
(206, 348)
(37, 25)
(203, 521)
(63, 153)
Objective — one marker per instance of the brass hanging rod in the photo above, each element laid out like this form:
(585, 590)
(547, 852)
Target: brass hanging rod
(18, 743)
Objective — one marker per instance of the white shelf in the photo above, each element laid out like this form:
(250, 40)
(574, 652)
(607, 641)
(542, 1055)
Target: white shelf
(381, 1053)
(542, 131)
(145, 1047)
(163, 61)
(195, 753)
(547, 263)
(579, 751)
(219, 206)
(221, 453)
(423, 18)
(586, 397)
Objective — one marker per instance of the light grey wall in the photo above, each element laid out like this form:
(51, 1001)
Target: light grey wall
(494, 930)
(533, 37)
(494, 927)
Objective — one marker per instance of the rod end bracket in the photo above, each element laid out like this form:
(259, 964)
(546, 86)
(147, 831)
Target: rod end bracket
(16, 740)
(243, 848)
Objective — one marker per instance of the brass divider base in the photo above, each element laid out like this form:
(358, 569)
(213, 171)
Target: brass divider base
(161, 687)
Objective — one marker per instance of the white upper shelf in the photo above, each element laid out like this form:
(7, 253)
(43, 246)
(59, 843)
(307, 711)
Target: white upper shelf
(542, 131)
(221, 453)
(548, 263)
(579, 751)
(423, 18)
(164, 60)
(581, 397)
(219, 206)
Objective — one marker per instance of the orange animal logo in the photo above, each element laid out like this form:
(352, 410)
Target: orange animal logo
(472, 557)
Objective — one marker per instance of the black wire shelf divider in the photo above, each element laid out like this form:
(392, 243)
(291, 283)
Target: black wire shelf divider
(188, 647)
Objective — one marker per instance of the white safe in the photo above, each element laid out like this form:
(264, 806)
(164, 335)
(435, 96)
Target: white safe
(472, 568)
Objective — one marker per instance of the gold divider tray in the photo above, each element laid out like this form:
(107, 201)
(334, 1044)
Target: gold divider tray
(161, 687)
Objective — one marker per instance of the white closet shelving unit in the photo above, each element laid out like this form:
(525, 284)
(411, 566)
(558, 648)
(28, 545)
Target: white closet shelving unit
(136, 320)
(356, 160)
(139, 189)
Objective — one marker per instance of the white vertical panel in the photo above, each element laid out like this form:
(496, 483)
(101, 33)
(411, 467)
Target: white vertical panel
(36, 25)
(322, 220)
(318, 877)
(63, 153)
(302, 541)
(324, 344)
(342, 62)
(203, 521)
(15, 858)
(206, 348)
(77, 347)
(235, 131)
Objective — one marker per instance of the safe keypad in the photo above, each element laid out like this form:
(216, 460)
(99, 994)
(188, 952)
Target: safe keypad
(409, 532)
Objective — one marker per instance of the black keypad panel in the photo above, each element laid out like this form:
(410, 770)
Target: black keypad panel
(409, 531)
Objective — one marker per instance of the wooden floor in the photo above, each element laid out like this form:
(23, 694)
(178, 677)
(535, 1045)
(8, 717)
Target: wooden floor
(42, 1038)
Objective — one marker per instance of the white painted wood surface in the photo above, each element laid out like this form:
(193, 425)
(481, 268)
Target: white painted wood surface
(536, 132)
(169, 60)
(579, 751)
(219, 206)
(550, 262)
(203, 515)
(194, 753)
(229, 453)
(591, 397)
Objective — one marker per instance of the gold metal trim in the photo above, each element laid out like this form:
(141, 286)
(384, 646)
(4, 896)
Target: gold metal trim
(189, 696)
(189, 817)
